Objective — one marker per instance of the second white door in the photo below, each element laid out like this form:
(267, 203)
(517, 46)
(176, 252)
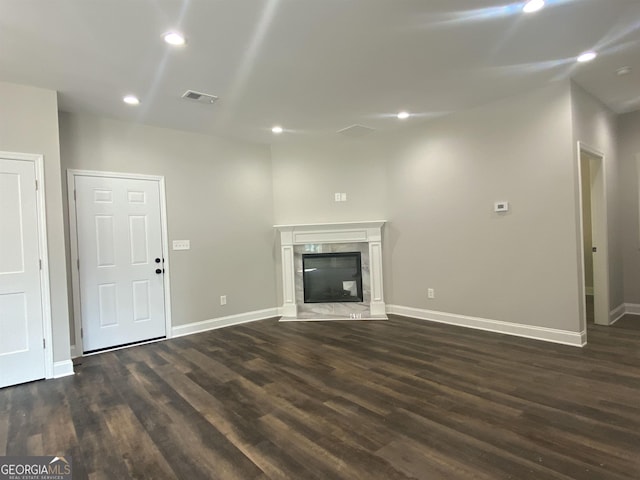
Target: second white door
(120, 261)
(22, 354)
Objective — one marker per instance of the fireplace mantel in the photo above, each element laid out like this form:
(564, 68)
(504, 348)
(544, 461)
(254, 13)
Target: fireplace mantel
(369, 232)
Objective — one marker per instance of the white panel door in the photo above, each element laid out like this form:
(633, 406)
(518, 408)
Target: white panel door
(120, 252)
(21, 329)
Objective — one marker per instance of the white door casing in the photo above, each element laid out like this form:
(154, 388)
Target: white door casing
(599, 222)
(119, 227)
(600, 242)
(25, 320)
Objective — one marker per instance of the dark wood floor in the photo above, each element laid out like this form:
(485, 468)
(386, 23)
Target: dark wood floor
(342, 400)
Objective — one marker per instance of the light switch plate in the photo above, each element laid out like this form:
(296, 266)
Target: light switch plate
(337, 197)
(181, 244)
(343, 197)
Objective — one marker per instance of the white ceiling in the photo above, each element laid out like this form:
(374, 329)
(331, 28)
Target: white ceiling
(313, 66)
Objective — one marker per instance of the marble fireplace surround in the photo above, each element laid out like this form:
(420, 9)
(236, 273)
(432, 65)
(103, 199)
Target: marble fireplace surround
(365, 237)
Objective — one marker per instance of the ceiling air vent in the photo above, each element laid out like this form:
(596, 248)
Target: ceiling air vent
(355, 131)
(199, 96)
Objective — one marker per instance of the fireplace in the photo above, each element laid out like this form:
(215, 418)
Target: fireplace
(348, 256)
(332, 277)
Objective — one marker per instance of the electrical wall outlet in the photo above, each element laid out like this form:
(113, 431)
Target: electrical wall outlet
(223, 299)
(431, 293)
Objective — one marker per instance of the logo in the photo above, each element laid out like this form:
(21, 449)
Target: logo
(35, 468)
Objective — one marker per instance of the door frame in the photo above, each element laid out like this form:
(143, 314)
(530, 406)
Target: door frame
(73, 241)
(45, 291)
(603, 227)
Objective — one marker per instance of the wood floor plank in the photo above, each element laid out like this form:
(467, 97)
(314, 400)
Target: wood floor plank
(22, 402)
(138, 451)
(53, 417)
(337, 442)
(97, 453)
(322, 462)
(420, 462)
(4, 433)
(202, 440)
(399, 399)
(462, 448)
(277, 463)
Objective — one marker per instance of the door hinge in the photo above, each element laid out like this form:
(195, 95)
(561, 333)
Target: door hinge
(40, 263)
(44, 343)
(78, 263)
(81, 333)
(36, 184)
(74, 194)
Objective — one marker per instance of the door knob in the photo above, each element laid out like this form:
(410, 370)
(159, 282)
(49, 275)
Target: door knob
(158, 271)
(157, 260)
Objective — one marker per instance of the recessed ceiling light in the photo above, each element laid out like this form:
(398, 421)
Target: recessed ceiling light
(623, 71)
(277, 129)
(174, 38)
(587, 57)
(403, 115)
(533, 6)
(131, 100)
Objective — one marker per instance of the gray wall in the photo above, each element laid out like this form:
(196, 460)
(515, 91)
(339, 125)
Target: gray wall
(436, 183)
(219, 196)
(629, 154)
(306, 175)
(595, 125)
(444, 179)
(29, 124)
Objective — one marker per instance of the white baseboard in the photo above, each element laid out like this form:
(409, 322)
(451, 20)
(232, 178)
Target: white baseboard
(632, 308)
(62, 369)
(565, 337)
(622, 310)
(328, 318)
(220, 322)
(617, 313)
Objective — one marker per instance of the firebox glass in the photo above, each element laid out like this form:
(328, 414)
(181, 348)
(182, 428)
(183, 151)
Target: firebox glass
(332, 277)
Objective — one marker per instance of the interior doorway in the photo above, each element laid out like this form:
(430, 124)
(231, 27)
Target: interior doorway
(594, 236)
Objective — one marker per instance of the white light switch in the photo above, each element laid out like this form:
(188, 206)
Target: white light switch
(181, 244)
(343, 197)
(337, 197)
